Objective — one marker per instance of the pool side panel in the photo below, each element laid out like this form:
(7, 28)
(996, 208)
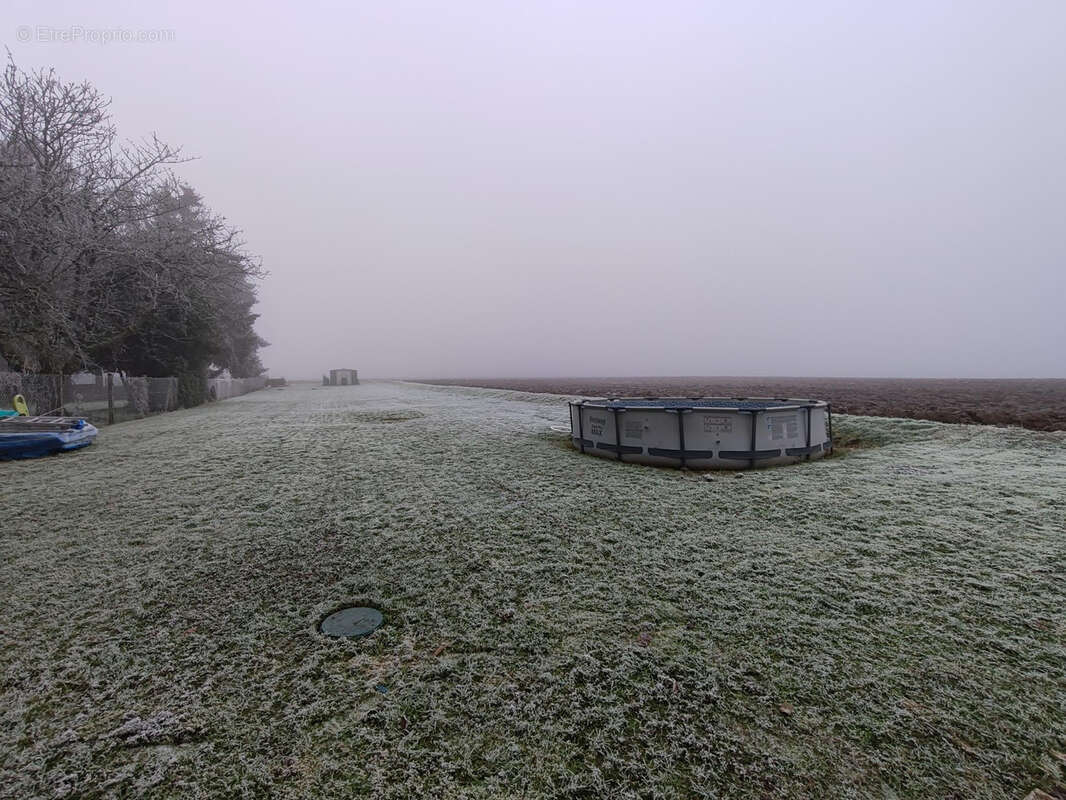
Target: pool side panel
(708, 436)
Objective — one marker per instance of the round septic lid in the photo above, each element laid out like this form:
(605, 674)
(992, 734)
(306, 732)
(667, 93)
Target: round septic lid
(355, 621)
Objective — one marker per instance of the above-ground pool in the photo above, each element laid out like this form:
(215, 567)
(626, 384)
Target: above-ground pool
(703, 432)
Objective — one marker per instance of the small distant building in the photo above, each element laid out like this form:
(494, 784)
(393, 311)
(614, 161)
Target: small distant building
(343, 377)
(272, 382)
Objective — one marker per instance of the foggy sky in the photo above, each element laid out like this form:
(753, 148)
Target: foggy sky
(606, 188)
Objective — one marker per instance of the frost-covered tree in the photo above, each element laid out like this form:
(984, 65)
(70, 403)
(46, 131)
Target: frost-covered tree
(105, 258)
(186, 291)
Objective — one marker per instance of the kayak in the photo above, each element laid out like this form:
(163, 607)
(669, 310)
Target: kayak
(31, 437)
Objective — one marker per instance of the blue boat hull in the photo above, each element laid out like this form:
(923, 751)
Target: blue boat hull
(33, 444)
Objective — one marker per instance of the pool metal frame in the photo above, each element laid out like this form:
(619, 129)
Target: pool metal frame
(683, 455)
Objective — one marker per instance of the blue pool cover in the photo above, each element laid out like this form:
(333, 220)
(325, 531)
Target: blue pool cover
(33, 444)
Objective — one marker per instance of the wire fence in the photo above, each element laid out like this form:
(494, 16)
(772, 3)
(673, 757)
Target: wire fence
(223, 388)
(104, 398)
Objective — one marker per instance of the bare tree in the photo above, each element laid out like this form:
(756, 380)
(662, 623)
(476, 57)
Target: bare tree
(104, 255)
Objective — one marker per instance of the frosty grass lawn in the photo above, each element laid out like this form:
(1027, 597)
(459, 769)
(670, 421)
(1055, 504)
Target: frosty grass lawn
(884, 623)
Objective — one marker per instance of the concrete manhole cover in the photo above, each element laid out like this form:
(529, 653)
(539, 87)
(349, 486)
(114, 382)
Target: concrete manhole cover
(353, 622)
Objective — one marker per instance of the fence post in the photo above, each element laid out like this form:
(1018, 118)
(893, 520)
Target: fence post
(110, 399)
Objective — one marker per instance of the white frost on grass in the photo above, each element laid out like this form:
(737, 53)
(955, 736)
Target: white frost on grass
(163, 726)
(556, 624)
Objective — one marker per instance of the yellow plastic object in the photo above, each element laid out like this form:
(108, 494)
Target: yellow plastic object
(20, 405)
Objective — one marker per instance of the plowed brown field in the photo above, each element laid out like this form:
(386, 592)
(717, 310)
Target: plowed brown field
(1039, 404)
